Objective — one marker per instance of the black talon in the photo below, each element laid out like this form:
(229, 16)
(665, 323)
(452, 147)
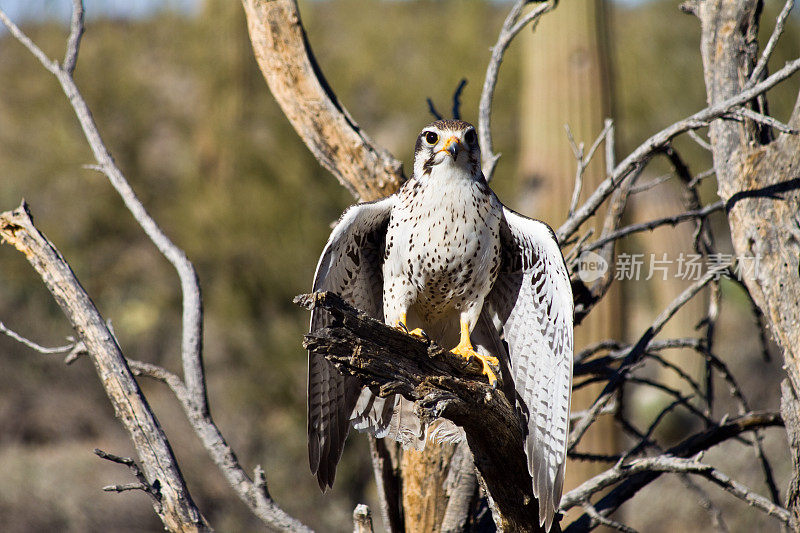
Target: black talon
(427, 339)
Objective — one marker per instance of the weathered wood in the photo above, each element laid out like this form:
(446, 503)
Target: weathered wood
(443, 385)
(281, 48)
(174, 506)
(386, 468)
(760, 181)
(362, 519)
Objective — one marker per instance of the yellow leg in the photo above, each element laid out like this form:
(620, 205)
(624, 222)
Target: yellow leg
(417, 333)
(466, 350)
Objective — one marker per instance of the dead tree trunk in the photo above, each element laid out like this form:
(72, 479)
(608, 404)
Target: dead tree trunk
(759, 179)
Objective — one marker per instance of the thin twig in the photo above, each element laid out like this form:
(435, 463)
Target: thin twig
(605, 521)
(645, 151)
(705, 502)
(457, 98)
(512, 25)
(760, 67)
(650, 184)
(743, 112)
(700, 177)
(152, 489)
(19, 35)
(577, 150)
(432, 109)
(652, 224)
(76, 28)
(704, 144)
(34, 346)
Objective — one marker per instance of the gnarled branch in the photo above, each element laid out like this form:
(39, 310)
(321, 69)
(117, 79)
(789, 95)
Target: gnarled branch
(444, 386)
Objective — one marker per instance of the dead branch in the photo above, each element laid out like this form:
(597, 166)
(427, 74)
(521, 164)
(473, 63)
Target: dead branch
(688, 448)
(780, 22)
(191, 391)
(176, 508)
(514, 23)
(672, 220)
(444, 386)
(642, 154)
(192, 330)
(281, 48)
(154, 490)
(34, 346)
(668, 463)
(636, 352)
(362, 519)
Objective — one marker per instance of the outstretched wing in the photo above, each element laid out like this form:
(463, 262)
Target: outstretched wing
(351, 267)
(532, 299)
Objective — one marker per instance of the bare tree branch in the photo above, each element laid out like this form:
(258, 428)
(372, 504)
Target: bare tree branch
(281, 48)
(743, 112)
(645, 151)
(513, 24)
(688, 448)
(34, 346)
(192, 332)
(667, 463)
(457, 98)
(252, 493)
(192, 392)
(74, 41)
(153, 490)
(637, 351)
(780, 22)
(176, 508)
(671, 220)
(19, 35)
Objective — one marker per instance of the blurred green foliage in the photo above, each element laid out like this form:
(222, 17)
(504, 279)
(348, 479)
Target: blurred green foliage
(189, 119)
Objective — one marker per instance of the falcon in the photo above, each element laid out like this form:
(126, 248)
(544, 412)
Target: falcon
(445, 259)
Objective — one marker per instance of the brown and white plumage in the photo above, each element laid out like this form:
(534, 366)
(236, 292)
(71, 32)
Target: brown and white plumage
(445, 255)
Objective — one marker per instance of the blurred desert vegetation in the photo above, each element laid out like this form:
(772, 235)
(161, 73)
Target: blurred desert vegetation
(190, 121)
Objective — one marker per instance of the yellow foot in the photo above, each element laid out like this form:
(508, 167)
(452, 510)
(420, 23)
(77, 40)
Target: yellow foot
(466, 351)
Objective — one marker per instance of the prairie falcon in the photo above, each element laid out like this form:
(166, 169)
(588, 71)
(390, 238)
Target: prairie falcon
(443, 255)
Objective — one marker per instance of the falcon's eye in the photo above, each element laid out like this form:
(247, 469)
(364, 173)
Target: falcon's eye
(470, 137)
(431, 137)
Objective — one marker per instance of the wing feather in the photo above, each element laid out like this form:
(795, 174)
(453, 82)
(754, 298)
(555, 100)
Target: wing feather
(532, 299)
(350, 266)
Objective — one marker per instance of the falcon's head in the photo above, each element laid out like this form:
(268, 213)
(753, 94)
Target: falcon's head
(450, 145)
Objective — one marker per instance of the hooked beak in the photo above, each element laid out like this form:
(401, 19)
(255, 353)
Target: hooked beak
(453, 145)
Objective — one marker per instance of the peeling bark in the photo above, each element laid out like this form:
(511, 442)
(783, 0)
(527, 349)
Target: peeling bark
(759, 180)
